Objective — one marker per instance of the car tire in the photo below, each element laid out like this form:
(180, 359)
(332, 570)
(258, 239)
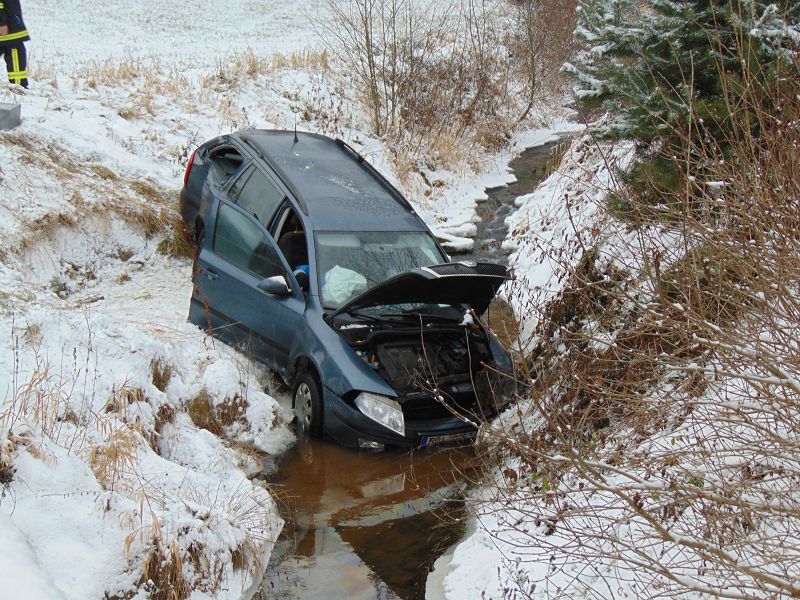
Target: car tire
(307, 402)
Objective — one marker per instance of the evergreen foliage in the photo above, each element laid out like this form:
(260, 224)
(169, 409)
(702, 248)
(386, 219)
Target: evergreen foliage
(672, 70)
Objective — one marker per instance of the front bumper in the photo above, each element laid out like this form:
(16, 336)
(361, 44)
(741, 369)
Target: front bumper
(346, 425)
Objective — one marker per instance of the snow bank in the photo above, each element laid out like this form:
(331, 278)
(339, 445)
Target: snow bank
(548, 233)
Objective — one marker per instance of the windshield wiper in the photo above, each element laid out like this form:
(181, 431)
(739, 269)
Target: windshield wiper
(360, 314)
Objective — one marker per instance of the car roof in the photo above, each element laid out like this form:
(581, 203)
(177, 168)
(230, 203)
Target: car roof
(335, 186)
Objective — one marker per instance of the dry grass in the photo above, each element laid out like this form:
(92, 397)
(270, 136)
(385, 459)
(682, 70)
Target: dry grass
(162, 572)
(104, 172)
(125, 254)
(201, 411)
(213, 418)
(140, 203)
(122, 397)
(311, 60)
(114, 461)
(165, 414)
(7, 471)
(141, 79)
(165, 564)
(161, 373)
(179, 244)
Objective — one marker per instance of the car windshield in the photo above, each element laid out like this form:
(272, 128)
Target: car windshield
(351, 263)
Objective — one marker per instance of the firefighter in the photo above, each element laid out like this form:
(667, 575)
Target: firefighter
(12, 36)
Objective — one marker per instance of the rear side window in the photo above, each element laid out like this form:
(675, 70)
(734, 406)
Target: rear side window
(239, 240)
(225, 161)
(256, 195)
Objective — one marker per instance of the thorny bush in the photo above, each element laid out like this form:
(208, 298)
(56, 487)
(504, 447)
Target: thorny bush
(659, 452)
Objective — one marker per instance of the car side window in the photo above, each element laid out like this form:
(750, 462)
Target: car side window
(225, 161)
(239, 240)
(257, 195)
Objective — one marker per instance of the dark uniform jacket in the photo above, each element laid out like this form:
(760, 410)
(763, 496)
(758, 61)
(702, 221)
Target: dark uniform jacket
(11, 15)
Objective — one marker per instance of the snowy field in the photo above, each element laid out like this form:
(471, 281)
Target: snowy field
(105, 477)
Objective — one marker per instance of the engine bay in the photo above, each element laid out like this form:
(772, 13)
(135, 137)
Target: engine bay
(414, 359)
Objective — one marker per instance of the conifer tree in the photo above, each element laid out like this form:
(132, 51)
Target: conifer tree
(668, 70)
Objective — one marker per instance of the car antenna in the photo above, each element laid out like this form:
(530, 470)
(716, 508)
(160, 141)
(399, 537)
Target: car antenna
(295, 130)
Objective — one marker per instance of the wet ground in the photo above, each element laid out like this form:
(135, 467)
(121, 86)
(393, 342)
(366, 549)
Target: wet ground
(366, 526)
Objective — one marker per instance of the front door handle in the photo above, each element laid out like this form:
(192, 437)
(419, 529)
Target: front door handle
(211, 273)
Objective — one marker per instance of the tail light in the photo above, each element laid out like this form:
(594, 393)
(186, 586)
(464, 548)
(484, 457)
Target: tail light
(189, 168)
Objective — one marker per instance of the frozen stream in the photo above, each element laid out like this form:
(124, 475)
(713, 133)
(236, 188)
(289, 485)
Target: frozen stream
(363, 526)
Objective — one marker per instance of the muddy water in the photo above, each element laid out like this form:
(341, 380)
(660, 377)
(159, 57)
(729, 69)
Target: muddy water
(363, 525)
(530, 168)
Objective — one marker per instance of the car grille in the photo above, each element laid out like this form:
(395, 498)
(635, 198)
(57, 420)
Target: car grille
(429, 408)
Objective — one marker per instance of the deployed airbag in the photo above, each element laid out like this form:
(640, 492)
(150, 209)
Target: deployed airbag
(340, 285)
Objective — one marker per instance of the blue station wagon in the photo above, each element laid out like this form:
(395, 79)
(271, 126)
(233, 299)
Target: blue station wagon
(311, 262)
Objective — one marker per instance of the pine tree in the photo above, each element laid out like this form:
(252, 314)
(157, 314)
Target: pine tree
(668, 70)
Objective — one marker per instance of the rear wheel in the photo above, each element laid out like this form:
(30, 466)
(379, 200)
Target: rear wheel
(307, 400)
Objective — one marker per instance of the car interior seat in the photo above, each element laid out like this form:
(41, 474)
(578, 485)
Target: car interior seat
(292, 242)
(293, 246)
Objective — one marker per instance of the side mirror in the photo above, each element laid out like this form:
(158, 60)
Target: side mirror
(275, 285)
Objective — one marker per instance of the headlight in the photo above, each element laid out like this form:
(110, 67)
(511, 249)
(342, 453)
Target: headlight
(382, 410)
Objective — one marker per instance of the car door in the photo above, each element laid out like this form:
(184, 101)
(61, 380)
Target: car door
(236, 294)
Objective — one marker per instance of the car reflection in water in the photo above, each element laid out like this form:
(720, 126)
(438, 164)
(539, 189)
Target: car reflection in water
(365, 526)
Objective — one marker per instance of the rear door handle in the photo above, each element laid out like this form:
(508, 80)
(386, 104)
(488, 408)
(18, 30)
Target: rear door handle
(211, 273)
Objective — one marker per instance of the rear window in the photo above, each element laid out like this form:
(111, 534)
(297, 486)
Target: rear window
(225, 161)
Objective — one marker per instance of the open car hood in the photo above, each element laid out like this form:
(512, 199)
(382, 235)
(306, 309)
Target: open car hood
(470, 283)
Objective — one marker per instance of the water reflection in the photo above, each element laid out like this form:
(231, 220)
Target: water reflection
(364, 525)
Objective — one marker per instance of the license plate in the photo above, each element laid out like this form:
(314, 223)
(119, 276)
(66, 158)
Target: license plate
(456, 439)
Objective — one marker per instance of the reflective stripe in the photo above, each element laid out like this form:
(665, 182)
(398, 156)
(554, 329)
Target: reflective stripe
(2, 6)
(16, 75)
(14, 36)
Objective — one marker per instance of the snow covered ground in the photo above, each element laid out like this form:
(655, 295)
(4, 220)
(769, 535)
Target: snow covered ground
(639, 517)
(105, 477)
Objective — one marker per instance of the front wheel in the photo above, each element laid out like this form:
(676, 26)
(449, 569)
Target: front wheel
(307, 400)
